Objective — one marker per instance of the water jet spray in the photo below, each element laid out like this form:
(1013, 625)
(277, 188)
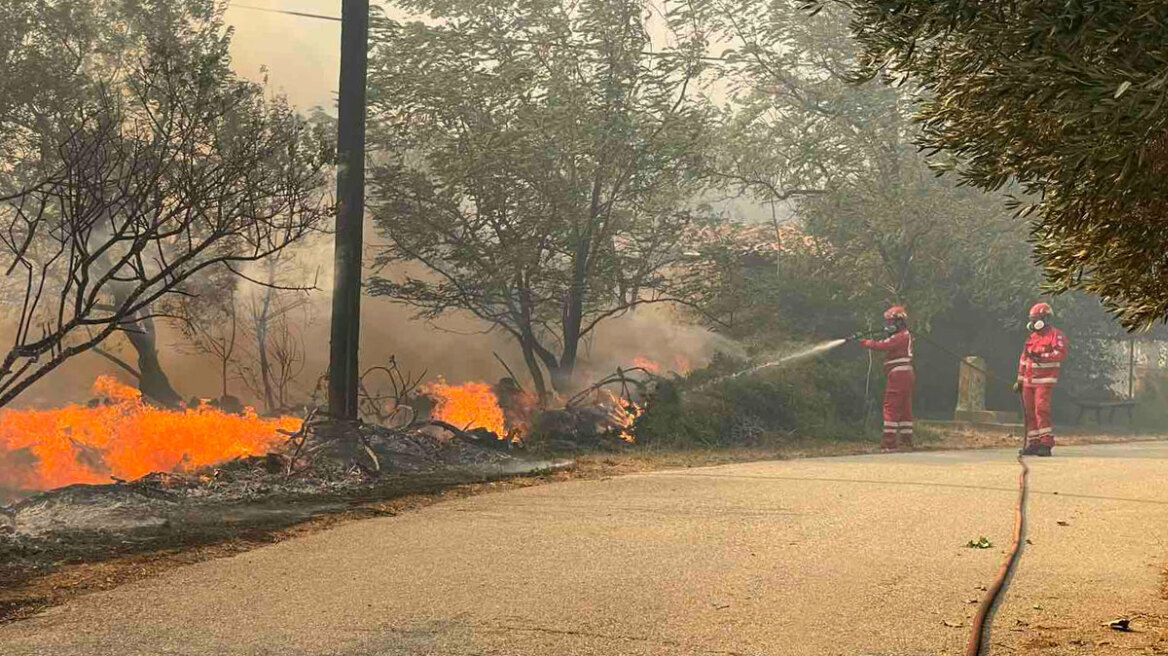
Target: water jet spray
(811, 351)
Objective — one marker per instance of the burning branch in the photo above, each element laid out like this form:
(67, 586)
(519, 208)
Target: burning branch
(378, 405)
(300, 438)
(508, 370)
(622, 377)
(118, 361)
(465, 436)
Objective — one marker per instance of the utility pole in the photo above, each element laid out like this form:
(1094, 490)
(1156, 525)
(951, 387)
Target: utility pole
(346, 315)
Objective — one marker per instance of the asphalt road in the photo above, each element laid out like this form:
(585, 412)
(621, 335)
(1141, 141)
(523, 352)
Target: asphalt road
(861, 555)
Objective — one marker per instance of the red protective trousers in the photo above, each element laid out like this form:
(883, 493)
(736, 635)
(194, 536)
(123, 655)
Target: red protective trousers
(898, 402)
(1036, 399)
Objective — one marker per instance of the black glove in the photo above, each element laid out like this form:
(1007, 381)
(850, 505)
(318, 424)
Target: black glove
(1017, 386)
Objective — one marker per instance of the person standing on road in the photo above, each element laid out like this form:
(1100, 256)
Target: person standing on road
(1038, 375)
(900, 379)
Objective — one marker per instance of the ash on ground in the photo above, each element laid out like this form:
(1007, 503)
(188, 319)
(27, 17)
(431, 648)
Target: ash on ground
(317, 472)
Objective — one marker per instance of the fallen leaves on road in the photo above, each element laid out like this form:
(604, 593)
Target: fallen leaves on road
(1062, 523)
(981, 543)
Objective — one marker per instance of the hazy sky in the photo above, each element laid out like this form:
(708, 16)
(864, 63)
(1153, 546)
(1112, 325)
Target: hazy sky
(302, 55)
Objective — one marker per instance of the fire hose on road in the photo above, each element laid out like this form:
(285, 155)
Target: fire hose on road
(994, 592)
(977, 633)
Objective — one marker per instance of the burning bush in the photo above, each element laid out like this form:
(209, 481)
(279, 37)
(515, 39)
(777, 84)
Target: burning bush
(599, 418)
(468, 406)
(512, 415)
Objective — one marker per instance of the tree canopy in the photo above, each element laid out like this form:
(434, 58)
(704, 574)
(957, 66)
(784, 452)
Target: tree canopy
(866, 221)
(132, 159)
(541, 161)
(1067, 99)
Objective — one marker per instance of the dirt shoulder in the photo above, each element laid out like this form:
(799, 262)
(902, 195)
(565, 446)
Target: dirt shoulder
(35, 575)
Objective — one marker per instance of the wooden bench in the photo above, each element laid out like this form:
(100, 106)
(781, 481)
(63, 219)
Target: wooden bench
(1110, 406)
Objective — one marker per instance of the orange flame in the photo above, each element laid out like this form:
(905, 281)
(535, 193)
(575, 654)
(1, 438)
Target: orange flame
(468, 406)
(681, 365)
(622, 413)
(647, 365)
(125, 438)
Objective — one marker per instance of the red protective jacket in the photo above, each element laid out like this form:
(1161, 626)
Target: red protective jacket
(1041, 359)
(898, 351)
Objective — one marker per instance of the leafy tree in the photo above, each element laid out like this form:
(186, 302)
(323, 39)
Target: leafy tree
(1067, 99)
(871, 222)
(537, 164)
(842, 156)
(132, 161)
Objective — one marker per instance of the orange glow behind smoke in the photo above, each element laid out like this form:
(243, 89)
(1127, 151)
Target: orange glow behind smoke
(468, 406)
(681, 365)
(125, 439)
(647, 365)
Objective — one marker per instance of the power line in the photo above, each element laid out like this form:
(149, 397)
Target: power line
(287, 12)
(647, 53)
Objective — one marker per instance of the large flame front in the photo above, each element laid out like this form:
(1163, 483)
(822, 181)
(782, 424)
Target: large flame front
(124, 438)
(468, 406)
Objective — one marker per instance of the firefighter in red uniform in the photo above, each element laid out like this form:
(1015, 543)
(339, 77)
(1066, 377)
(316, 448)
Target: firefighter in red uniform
(1038, 374)
(901, 378)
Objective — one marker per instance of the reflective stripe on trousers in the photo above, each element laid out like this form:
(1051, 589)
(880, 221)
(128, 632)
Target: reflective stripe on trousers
(898, 400)
(1036, 400)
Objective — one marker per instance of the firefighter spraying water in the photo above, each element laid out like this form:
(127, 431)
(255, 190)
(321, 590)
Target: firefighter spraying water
(1038, 375)
(897, 346)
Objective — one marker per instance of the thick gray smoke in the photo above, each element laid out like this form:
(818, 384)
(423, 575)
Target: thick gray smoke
(456, 347)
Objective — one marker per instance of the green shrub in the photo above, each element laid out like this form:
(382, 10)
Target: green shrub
(817, 398)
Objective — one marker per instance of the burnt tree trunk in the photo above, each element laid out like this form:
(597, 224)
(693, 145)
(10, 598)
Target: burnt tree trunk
(263, 317)
(139, 330)
(534, 369)
(574, 310)
(152, 380)
(223, 379)
(527, 342)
